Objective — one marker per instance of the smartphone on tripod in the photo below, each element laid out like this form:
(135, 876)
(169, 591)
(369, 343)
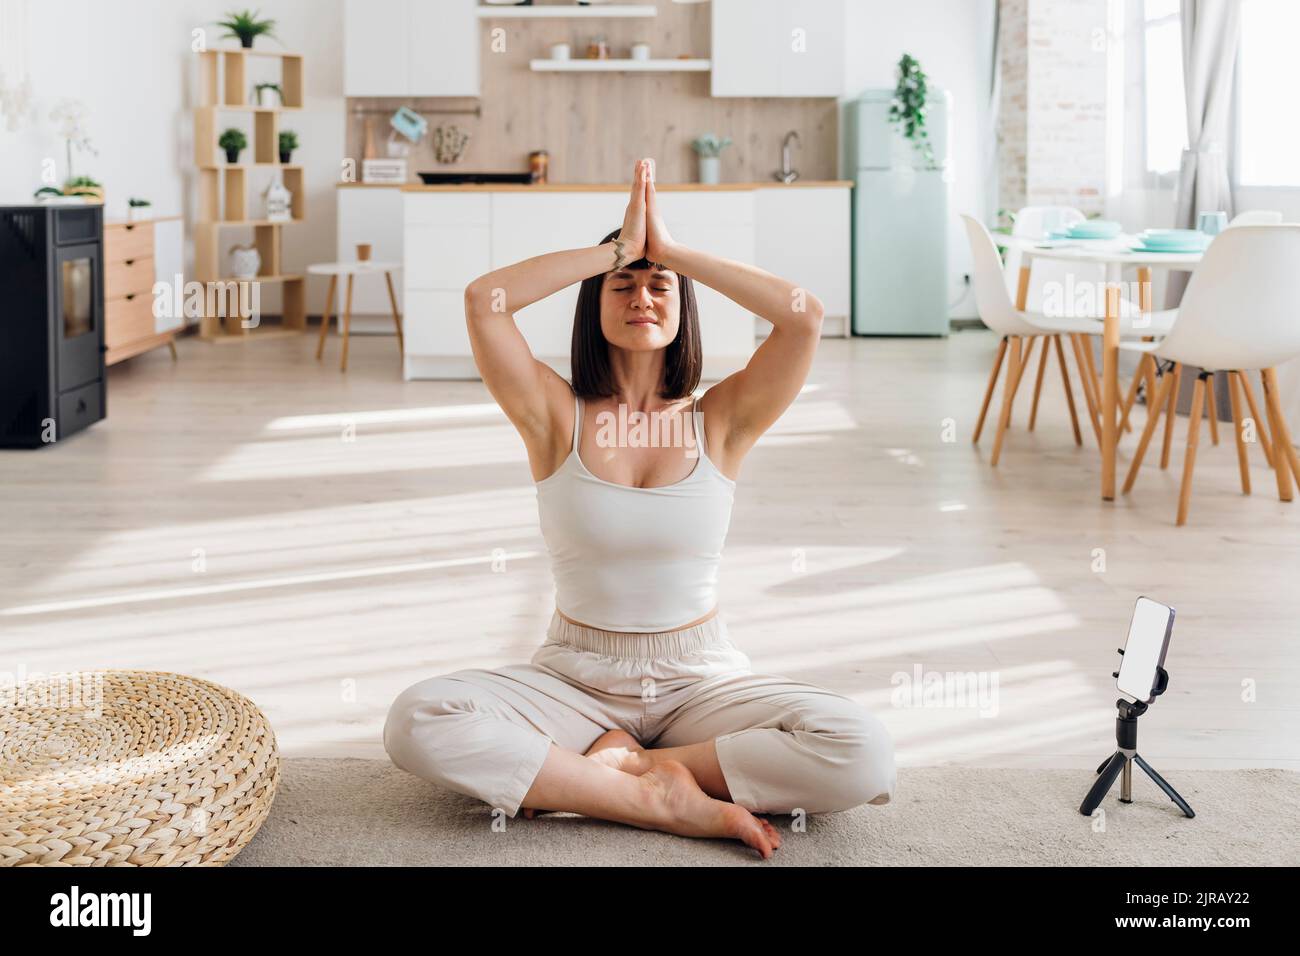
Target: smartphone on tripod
(1141, 678)
(1144, 651)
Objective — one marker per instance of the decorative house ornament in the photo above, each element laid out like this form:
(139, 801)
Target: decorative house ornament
(449, 143)
(268, 95)
(244, 262)
(279, 201)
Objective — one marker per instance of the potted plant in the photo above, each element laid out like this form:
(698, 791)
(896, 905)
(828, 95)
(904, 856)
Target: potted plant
(288, 143)
(135, 208)
(232, 141)
(85, 187)
(709, 149)
(246, 27)
(268, 94)
(908, 110)
(70, 115)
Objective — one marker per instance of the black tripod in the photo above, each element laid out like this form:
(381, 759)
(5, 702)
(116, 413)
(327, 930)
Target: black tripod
(1126, 736)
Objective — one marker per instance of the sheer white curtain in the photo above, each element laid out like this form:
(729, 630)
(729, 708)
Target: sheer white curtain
(1211, 35)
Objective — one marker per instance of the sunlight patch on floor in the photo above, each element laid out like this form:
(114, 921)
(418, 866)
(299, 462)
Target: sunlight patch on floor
(335, 421)
(356, 450)
(253, 584)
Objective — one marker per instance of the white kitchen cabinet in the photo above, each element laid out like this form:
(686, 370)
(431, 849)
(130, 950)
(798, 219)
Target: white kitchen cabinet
(526, 225)
(375, 60)
(439, 327)
(778, 48)
(410, 48)
(446, 245)
(804, 234)
(442, 48)
(453, 237)
(371, 214)
(721, 223)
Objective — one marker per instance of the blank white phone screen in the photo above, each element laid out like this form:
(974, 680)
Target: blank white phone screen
(1147, 633)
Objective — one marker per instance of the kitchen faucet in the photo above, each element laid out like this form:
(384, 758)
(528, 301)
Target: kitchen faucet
(786, 174)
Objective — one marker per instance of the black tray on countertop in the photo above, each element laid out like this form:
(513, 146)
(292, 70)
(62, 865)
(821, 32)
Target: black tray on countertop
(454, 179)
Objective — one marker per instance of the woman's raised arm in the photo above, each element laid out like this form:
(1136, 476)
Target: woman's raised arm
(749, 401)
(529, 391)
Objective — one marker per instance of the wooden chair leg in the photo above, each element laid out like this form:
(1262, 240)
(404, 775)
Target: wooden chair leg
(1130, 400)
(397, 318)
(1171, 416)
(346, 326)
(1285, 461)
(325, 317)
(1243, 464)
(1086, 342)
(1008, 396)
(1212, 407)
(1193, 436)
(1158, 401)
(1260, 433)
(1069, 393)
(988, 392)
(171, 344)
(1038, 384)
(1094, 415)
(1026, 356)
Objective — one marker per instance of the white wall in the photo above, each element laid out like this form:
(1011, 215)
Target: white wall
(953, 40)
(130, 62)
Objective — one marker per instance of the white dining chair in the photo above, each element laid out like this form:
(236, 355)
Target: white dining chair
(1238, 314)
(1257, 217)
(1017, 329)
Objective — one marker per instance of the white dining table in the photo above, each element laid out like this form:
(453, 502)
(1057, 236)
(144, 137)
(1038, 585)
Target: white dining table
(1115, 255)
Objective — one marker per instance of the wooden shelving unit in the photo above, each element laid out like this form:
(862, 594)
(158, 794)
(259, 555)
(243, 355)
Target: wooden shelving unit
(225, 85)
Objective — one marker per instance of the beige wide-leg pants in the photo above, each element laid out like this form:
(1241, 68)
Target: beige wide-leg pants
(783, 746)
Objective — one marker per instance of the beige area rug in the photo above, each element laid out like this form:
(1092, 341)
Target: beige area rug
(368, 813)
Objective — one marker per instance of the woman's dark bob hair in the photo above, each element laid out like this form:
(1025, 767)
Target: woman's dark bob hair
(589, 352)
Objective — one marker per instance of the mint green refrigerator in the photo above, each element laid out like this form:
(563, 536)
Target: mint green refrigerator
(901, 218)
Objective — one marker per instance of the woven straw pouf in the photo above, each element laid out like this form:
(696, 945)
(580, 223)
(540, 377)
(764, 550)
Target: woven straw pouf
(131, 768)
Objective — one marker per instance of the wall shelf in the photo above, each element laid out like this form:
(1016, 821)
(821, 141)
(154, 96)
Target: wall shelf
(573, 11)
(620, 66)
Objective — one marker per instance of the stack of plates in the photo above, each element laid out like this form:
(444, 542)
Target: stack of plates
(1172, 240)
(1088, 229)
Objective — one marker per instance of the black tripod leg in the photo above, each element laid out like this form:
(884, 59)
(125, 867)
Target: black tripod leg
(1102, 766)
(1109, 771)
(1160, 782)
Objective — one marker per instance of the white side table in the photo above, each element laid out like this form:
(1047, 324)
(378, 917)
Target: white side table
(351, 270)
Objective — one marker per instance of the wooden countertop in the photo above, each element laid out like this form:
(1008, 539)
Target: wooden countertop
(623, 187)
(601, 187)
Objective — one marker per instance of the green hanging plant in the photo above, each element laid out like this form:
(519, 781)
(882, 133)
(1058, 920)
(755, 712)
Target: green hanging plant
(909, 107)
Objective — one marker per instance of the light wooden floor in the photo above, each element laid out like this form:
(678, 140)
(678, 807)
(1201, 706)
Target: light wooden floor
(319, 541)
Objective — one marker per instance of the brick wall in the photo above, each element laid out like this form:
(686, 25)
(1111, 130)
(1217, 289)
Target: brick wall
(1013, 101)
(1052, 128)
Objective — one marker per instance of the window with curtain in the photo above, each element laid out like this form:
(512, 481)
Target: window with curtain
(1268, 76)
(1166, 116)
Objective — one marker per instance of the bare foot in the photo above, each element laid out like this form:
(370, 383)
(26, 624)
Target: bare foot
(682, 808)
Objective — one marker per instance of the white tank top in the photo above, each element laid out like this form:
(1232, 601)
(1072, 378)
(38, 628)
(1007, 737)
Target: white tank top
(635, 559)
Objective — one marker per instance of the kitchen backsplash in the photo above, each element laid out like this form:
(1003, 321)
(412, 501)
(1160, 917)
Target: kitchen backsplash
(595, 125)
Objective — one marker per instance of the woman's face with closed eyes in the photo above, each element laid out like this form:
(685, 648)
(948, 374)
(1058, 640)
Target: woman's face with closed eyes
(640, 309)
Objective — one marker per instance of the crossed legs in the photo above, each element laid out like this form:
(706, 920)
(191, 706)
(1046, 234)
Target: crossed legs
(729, 747)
